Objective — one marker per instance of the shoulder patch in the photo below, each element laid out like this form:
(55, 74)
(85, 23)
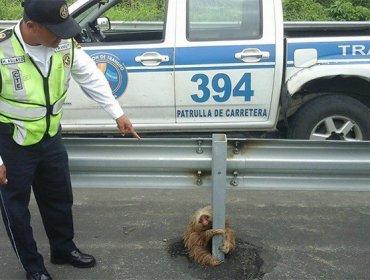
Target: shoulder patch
(5, 34)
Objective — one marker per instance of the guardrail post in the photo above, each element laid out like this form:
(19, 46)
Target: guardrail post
(219, 154)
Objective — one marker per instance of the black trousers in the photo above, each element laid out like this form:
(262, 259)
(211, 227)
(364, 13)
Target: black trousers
(44, 168)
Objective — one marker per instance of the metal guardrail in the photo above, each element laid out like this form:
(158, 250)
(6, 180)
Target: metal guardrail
(219, 162)
(7, 23)
(292, 25)
(251, 164)
(122, 25)
(216, 163)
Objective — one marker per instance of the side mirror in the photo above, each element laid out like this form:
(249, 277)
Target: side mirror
(103, 23)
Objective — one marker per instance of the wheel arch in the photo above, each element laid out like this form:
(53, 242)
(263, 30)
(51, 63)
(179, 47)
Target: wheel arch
(301, 91)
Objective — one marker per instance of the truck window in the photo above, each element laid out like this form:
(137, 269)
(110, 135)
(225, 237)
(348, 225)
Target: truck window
(97, 26)
(142, 27)
(224, 20)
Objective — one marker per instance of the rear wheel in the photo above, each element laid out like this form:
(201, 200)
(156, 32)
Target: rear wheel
(331, 117)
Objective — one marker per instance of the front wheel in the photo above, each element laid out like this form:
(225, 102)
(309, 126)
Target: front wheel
(331, 117)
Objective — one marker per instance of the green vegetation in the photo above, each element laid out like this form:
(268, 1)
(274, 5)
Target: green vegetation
(310, 10)
(10, 9)
(316, 10)
(145, 10)
(304, 10)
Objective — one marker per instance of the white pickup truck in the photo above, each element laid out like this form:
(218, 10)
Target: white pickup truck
(226, 66)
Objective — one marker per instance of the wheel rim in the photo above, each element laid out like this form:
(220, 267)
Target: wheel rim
(337, 128)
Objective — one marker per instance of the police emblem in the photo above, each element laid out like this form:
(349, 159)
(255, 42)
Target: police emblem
(64, 11)
(114, 70)
(2, 35)
(67, 60)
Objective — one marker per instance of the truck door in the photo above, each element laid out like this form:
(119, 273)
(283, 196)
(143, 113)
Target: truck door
(226, 57)
(137, 59)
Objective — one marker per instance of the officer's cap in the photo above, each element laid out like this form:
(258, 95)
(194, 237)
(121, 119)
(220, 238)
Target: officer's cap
(54, 15)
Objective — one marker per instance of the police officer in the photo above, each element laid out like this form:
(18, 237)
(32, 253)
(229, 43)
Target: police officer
(37, 59)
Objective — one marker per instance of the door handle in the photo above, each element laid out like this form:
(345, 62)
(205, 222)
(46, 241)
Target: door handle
(152, 58)
(251, 55)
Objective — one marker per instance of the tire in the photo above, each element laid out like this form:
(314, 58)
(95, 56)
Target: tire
(331, 117)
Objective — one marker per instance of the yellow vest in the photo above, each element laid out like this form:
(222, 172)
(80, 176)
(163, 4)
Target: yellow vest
(29, 101)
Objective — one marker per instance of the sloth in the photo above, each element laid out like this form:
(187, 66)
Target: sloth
(199, 233)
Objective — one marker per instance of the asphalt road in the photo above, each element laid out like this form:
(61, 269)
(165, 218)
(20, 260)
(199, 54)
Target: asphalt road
(136, 234)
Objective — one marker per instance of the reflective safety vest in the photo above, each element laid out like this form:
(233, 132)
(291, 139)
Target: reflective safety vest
(29, 101)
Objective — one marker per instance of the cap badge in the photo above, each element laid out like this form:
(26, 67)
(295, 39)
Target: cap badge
(64, 11)
(2, 35)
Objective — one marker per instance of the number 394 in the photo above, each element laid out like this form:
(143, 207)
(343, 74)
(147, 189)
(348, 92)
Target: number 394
(222, 88)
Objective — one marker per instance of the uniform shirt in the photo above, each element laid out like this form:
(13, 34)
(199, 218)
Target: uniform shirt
(84, 71)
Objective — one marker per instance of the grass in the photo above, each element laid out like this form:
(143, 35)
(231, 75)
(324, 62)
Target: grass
(128, 10)
(151, 10)
(10, 9)
(143, 11)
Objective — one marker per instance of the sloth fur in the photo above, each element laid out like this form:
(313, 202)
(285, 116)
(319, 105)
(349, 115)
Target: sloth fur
(199, 233)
